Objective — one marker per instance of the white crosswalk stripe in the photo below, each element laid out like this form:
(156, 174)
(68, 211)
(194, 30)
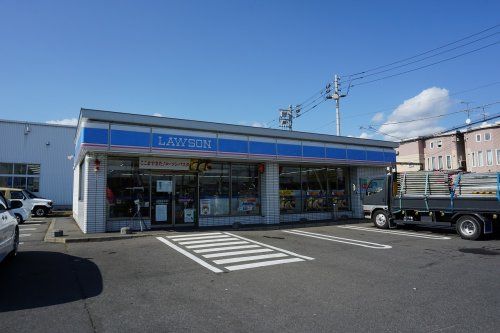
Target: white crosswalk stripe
(220, 250)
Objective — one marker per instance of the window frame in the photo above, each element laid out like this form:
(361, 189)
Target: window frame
(492, 160)
(449, 166)
(480, 160)
(498, 156)
(473, 159)
(81, 180)
(478, 137)
(484, 136)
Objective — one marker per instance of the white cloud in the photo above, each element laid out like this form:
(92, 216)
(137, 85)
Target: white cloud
(253, 124)
(378, 117)
(365, 135)
(68, 121)
(428, 103)
(156, 114)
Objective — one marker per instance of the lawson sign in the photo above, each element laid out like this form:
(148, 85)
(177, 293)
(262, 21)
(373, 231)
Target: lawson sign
(180, 142)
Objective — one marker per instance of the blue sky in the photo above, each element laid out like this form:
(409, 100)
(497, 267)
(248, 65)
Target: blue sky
(239, 61)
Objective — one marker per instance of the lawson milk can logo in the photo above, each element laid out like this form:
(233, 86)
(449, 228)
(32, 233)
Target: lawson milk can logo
(181, 142)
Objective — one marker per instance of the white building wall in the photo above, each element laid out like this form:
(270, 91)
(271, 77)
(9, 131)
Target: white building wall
(44, 144)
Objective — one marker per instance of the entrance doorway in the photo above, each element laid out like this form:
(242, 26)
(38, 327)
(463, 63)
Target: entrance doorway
(174, 199)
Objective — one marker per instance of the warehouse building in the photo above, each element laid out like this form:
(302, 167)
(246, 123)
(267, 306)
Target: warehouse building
(133, 170)
(38, 157)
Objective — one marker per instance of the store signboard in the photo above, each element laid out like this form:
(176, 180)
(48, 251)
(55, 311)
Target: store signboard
(159, 163)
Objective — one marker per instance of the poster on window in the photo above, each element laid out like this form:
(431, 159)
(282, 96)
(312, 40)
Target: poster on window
(205, 207)
(189, 215)
(247, 204)
(164, 186)
(161, 213)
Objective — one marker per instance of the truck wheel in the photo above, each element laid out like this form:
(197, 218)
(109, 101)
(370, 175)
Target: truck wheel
(40, 211)
(381, 219)
(468, 227)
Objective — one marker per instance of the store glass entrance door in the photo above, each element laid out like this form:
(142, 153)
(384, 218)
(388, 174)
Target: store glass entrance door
(161, 199)
(174, 199)
(185, 199)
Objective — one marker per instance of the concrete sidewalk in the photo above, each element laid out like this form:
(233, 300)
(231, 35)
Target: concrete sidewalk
(73, 234)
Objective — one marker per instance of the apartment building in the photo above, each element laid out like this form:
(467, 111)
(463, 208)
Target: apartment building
(482, 146)
(473, 150)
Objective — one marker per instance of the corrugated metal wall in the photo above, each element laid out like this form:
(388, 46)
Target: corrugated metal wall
(47, 145)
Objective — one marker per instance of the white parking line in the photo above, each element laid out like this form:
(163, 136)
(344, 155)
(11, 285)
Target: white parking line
(262, 264)
(190, 256)
(401, 233)
(24, 235)
(213, 240)
(271, 247)
(26, 224)
(226, 248)
(187, 235)
(216, 244)
(340, 239)
(21, 243)
(235, 253)
(198, 237)
(25, 229)
(249, 258)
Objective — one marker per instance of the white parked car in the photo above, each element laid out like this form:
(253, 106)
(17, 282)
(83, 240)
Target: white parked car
(9, 230)
(38, 206)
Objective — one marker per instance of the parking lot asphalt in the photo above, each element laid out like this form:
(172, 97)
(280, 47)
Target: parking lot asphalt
(327, 279)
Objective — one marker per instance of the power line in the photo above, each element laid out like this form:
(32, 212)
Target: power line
(425, 66)
(423, 53)
(422, 59)
(395, 106)
(437, 116)
(497, 115)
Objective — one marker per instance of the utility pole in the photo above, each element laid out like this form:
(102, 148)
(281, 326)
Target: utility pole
(286, 118)
(336, 96)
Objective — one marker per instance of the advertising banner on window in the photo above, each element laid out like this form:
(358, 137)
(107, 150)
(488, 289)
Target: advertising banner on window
(159, 163)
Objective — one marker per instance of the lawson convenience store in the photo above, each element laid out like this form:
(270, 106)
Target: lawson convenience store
(173, 172)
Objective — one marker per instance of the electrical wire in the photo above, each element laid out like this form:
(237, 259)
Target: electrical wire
(395, 106)
(425, 58)
(437, 116)
(425, 66)
(423, 53)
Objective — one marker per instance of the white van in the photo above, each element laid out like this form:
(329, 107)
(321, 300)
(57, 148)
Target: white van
(38, 206)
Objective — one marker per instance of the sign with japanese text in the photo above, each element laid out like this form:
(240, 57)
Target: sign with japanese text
(159, 163)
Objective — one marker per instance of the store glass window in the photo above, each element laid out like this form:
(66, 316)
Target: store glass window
(19, 169)
(214, 190)
(5, 168)
(5, 181)
(33, 169)
(244, 189)
(315, 189)
(290, 190)
(127, 188)
(19, 182)
(338, 190)
(33, 184)
(18, 175)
